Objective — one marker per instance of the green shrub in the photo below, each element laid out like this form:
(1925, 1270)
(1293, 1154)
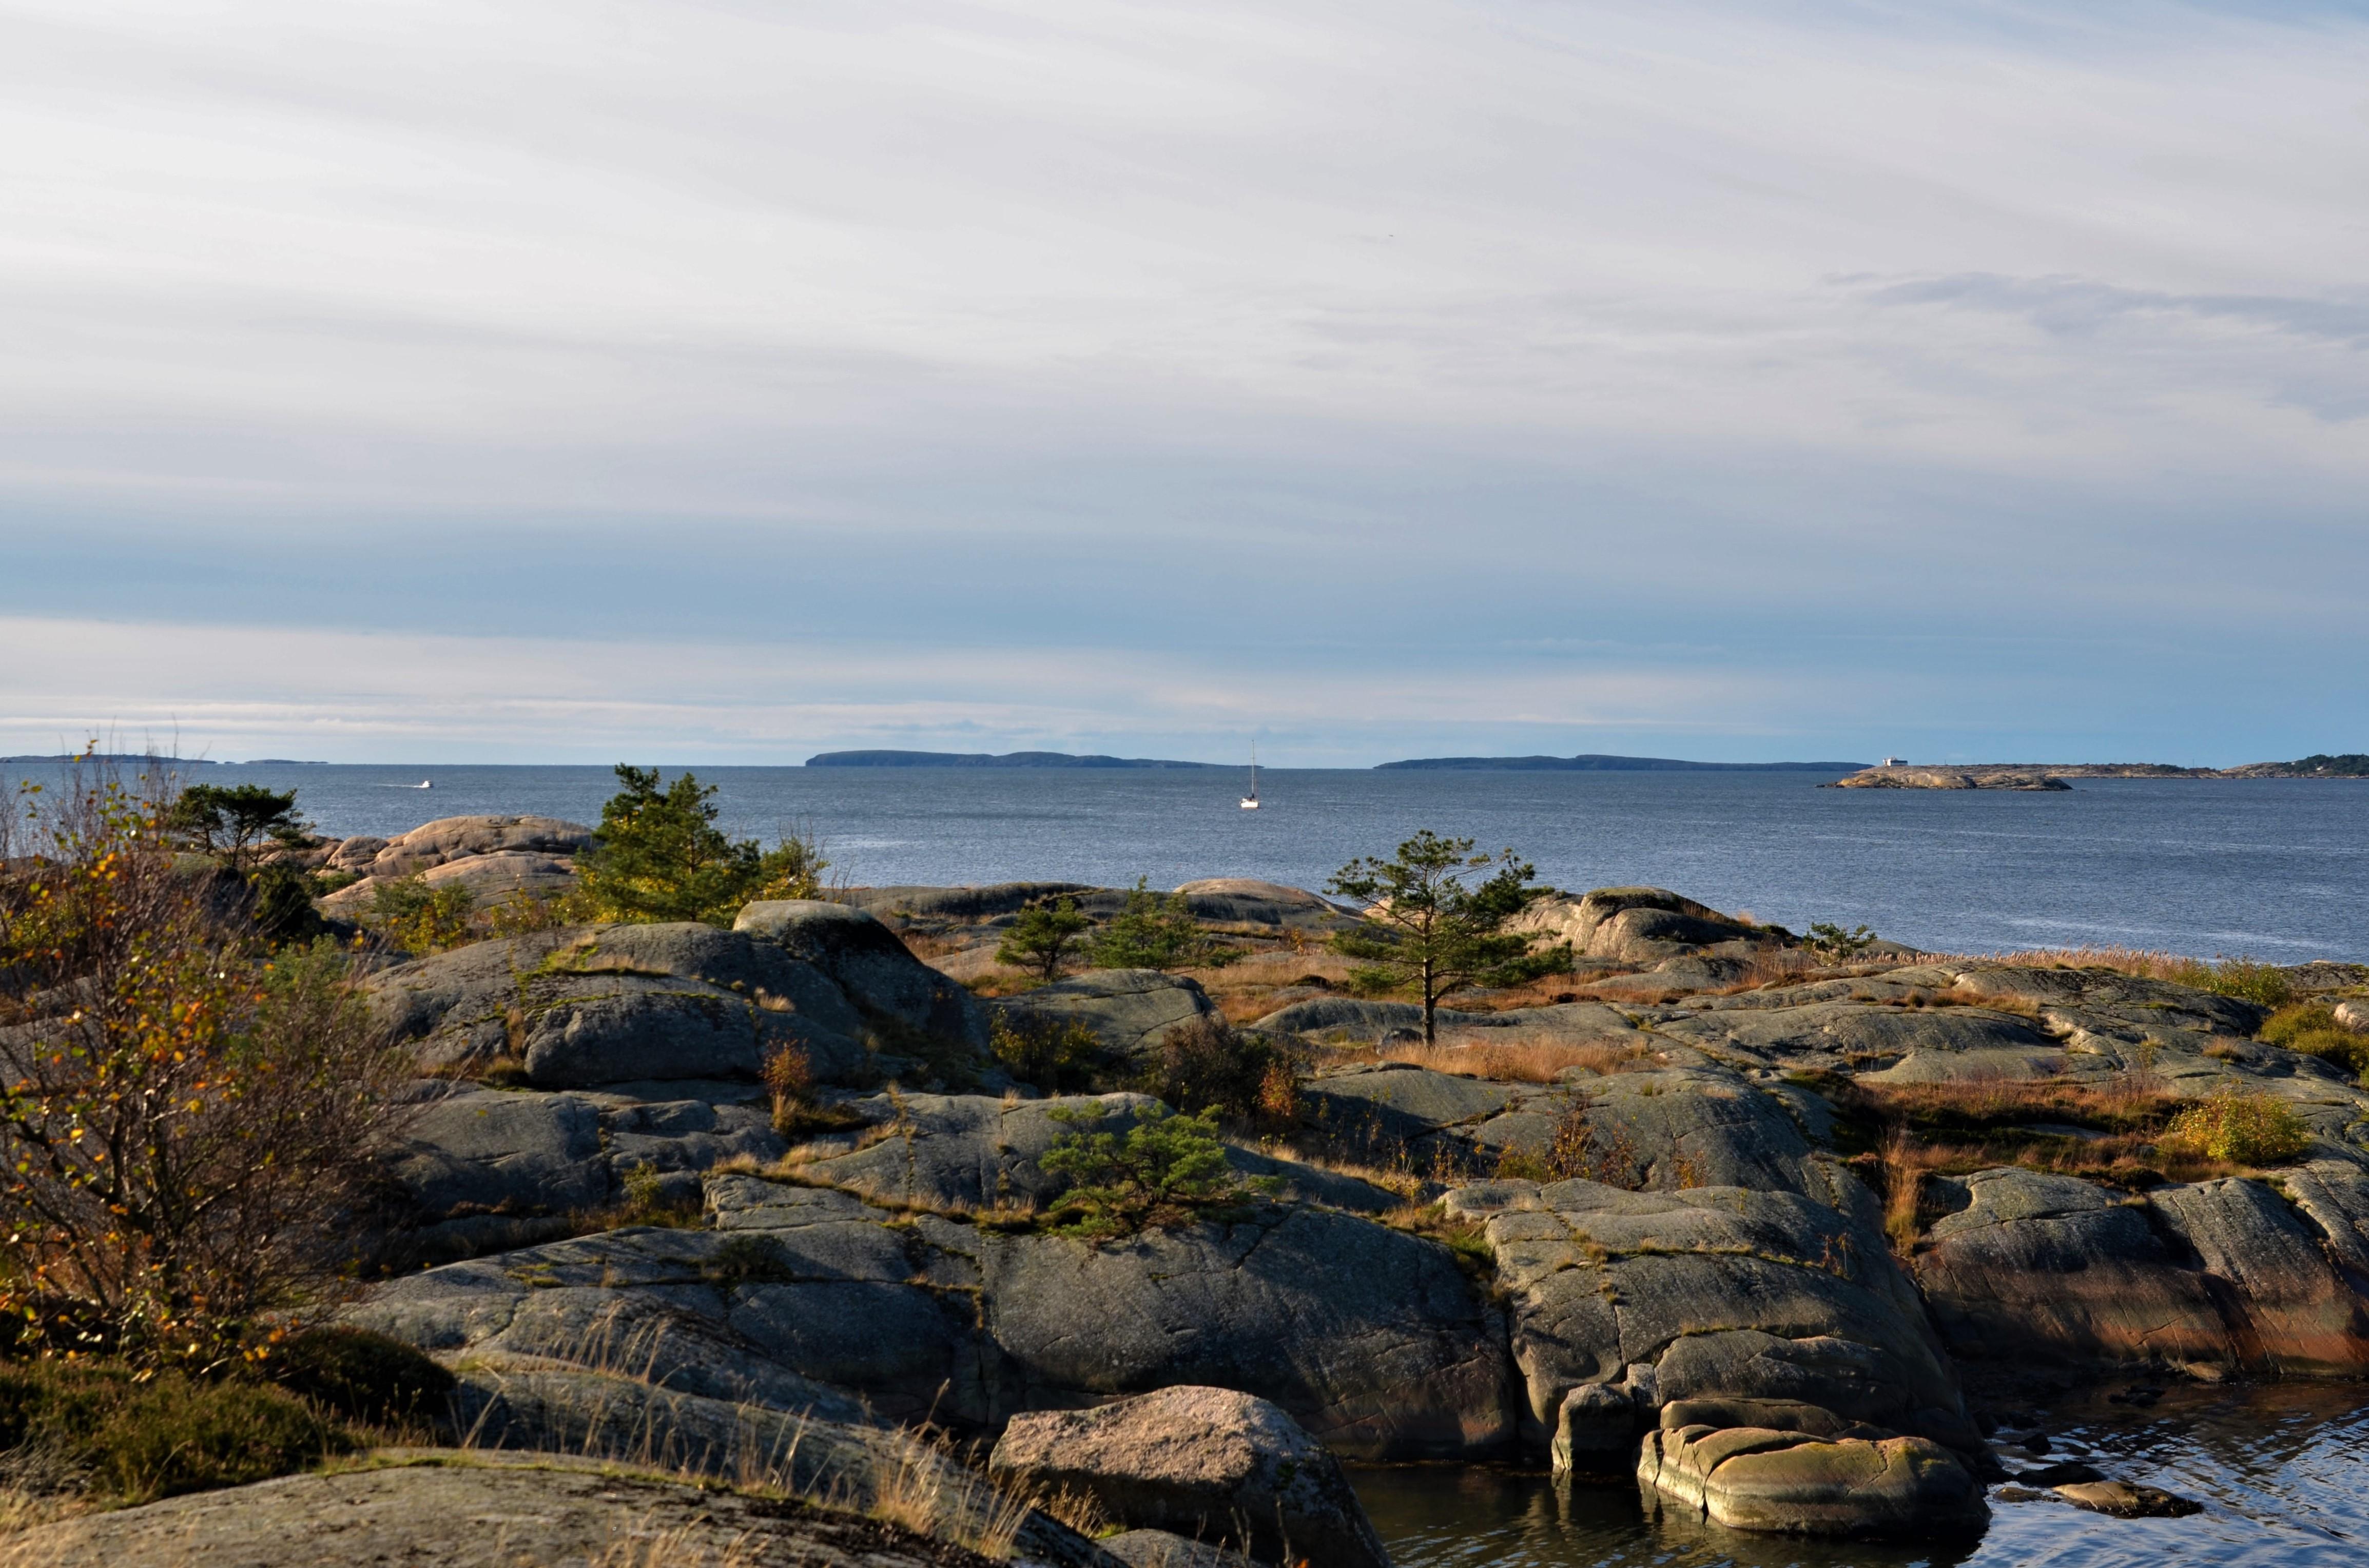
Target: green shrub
(1165, 1170)
(2311, 1029)
(362, 1376)
(2265, 985)
(1830, 941)
(1052, 1056)
(658, 855)
(1153, 933)
(140, 1440)
(1206, 1065)
(420, 919)
(280, 902)
(1042, 939)
(2245, 1126)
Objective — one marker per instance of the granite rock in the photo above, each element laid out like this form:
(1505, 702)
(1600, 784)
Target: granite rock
(1207, 1463)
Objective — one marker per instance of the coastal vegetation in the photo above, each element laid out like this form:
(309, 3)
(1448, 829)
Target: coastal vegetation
(190, 1125)
(184, 1112)
(1044, 938)
(1432, 929)
(658, 855)
(1167, 1168)
(1156, 932)
(2311, 1028)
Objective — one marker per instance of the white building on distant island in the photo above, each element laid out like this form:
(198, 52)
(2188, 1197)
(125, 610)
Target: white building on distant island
(1893, 762)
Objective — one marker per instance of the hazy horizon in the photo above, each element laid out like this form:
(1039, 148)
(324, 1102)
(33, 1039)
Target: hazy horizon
(549, 383)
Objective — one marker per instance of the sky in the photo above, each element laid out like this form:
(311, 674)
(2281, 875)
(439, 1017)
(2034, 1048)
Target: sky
(723, 381)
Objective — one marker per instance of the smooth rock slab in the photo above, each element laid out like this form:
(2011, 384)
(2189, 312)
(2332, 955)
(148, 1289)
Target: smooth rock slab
(1791, 1483)
(1130, 1011)
(1210, 1464)
(2045, 1266)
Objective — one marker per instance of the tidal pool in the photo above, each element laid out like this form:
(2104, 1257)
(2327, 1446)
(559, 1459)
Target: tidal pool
(2282, 1471)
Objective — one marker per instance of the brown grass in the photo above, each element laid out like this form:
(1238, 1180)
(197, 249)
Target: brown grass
(2129, 1103)
(2145, 962)
(1953, 1129)
(1507, 1061)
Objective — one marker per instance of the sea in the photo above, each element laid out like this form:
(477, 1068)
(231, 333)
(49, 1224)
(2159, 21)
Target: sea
(2276, 869)
(2278, 1469)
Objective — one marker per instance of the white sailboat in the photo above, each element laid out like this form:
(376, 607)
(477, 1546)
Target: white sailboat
(1249, 801)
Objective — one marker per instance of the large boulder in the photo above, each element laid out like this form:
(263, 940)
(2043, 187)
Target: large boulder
(1796, 1483)
(2287, 1308)
(1245, 900)
(591, 1005)
(1211, 1464)
(870, 966)
(1635, 925)
(475, 1171)
(1717, 1291)
(1130, 1011)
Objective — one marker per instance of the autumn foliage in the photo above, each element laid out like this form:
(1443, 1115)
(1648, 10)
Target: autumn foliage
(187, 1119)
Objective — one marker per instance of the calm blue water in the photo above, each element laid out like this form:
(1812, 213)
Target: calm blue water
(2283, 1473)
(2277, 868)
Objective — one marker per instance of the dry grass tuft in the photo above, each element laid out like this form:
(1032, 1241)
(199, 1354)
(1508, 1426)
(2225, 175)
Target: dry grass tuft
(642, 1547)
(2131, 1131)
(1508, 1060)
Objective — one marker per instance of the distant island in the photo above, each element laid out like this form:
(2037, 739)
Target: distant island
(135, 758)
(1894, 774)
(983, 760)
(1592, 762)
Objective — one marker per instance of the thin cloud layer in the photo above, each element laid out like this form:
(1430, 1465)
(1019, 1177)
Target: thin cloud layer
(1410, 373)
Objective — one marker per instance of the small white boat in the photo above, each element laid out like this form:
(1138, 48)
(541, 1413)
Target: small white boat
(425, 783)
(1249, 801)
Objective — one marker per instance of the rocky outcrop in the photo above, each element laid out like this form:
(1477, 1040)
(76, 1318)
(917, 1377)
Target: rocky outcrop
(1793, 1482)
(493, 857)
(1212, 1465)
(1948, 778)
(1636, 925)
(1369, 1337)
(543, 1510)
(2220, 1274)
(1717, 1292)
(478, 1171)
(1693, 1126)
(969, 1151)
(1130, 1011)
(592, 1006)
(1245, 901)
(2039, 1263)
